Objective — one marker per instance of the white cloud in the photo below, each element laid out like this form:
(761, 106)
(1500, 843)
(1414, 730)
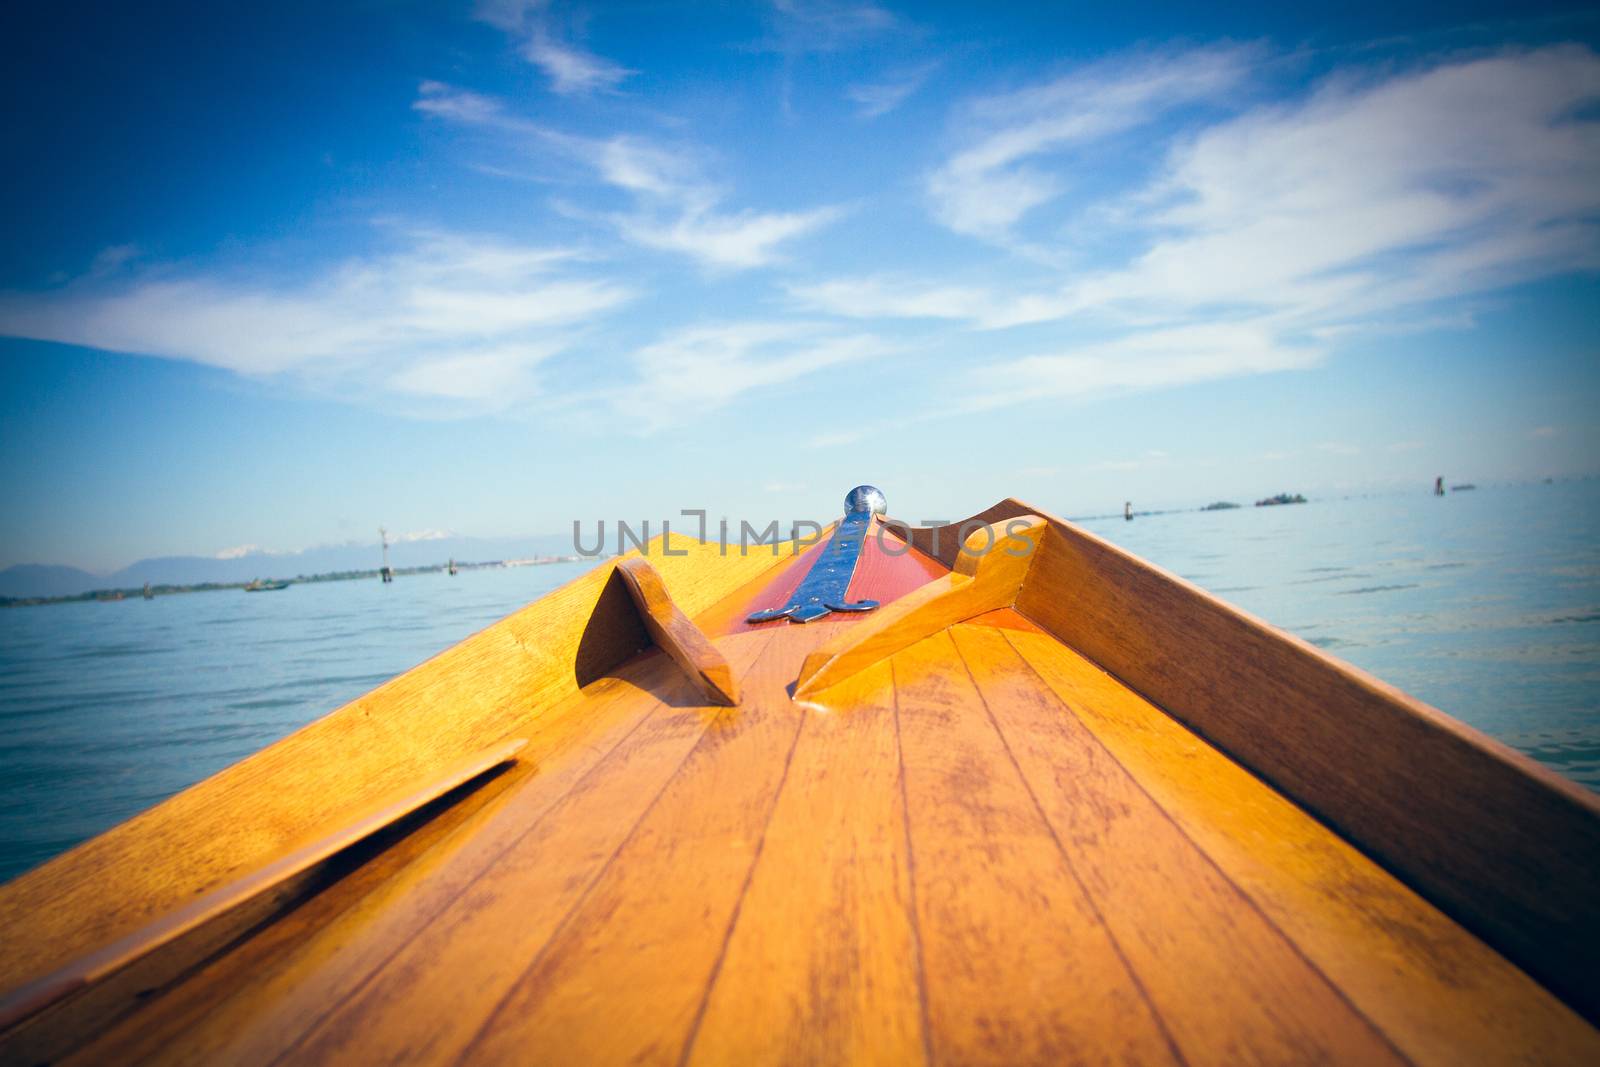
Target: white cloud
(570, 69)
(702, 369)
(999, 177)
(735, 240)
(1265, 237)
(448, 102)
(1368, 197)
(675, 208)
(447, 318)
(886, 296)
(239, 552)
(873, 99)
(1152, 359)
(800, 26)
(1338, 448)
(1543, 432)
(420, 535)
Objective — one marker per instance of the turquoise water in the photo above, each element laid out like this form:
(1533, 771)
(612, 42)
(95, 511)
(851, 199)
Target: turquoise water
(1486, 604)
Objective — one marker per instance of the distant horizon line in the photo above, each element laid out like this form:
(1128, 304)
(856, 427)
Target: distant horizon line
(1375, 489)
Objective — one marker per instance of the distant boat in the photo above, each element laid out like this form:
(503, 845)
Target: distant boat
(1281, 498)
(259, 586)
(1462, 488)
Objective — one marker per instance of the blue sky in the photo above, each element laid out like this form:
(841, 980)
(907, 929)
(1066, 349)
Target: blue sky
(274, 277)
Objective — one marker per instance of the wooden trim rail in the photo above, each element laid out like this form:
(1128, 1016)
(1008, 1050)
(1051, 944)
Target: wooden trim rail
(989, 573)
(1505, 846)
(103, 962)
(676, 635)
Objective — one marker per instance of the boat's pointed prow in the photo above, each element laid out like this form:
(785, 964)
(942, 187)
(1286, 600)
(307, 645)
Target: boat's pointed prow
(989, 574)
(1011, 795)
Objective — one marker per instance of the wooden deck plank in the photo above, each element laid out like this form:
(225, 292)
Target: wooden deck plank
(823, 963)
(325, 775)
(1396, 777)
(1229, 987)
(627, 973)
(251, 1004)
(257, 990)
(1440, 994)
(429, 1000)
(1019, 967)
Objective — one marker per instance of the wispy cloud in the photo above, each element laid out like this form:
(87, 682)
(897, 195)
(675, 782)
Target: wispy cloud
(876, 98)
(722, 239)
(570, 69)
(1378, 194)
(444, 318)
(1150, 359)
(675, 207)
(1267, 237)
(703, 369)
(1000, 175)
(825, 25)
(885, 296)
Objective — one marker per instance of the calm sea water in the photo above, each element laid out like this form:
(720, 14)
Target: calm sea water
(1486, 604)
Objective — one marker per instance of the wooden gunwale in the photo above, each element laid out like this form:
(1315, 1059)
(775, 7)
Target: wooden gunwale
(325, 775)
(1508, 848)
(981, 847)
(105, 961)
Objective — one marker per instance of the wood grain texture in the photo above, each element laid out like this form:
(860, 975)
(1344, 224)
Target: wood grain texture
(215, 905)
(431, 998)
(767, 589)
(1440, 994)
(675, 635)
(625, 977)
(1505, 846)
(888, 568)
(989, 573)
(326, 774)
(1020, 968)
(268, 997)
(966, 861)
(823, 965)
(1227, 984)
(884, 572)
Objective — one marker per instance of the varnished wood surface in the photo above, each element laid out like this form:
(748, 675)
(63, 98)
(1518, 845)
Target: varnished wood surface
(988, 575)
(213, 906)
(324, 776)
(677, 636)
(982, 848)
(886, 570)
(990, 851)
(1504, 845)
(1442, 996)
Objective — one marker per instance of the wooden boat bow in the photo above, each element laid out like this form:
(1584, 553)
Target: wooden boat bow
(1042, 802)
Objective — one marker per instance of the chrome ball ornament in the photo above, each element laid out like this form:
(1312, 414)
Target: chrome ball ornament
(867, 498)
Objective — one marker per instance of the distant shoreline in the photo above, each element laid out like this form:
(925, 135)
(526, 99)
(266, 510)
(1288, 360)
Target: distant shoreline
(137, 592)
